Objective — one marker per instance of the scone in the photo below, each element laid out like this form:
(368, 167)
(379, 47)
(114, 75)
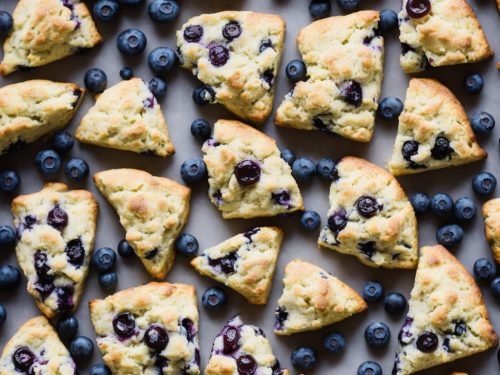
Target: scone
(36, 349)
(150, 329)
(245, 262)
(153, 211)
(344, 56)
(437, 33)
(32, 109)
(247, 176)
(434, 131)
(242, 349)
(447, 317)
(237, 56)
(56, 232)
(313, 298)
(370, 217)
(491, 213)
(45, 31)
(127, 117)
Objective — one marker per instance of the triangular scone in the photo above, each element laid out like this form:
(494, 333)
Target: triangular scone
(240, 344)
(45, 31)
(370, 216)
(237, 55)
(434, 131)
(36, 349)
(448, 34)
(447, 318)
(150, 329)
(153, 211)
(491, 213)
(238, 148)
(56, 232)
(313, 298)
(32, 109)
(245, 262)
(127, 117)
(344, 56)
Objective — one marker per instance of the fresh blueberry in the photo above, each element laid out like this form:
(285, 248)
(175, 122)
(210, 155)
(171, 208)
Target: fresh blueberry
(310, 220)
(124, 249)
(106, 10)
(320, 8)
(6, 23)
(3, 314)
(126, 73)
(394, 303)
(441, 204)
(95, 80)
(187, 245)
(373, 291)
(484, 269)
(76, 169)
(9, 181)
(99, 370)
(390, 108)
(158, 87)
(388, 19)
(203, 95)
(48, 161)
(104, 259)
(131, 42)
(162, 59)
(377, 334)
(449, 235)
(163, 10)
(304, 358)
(131, 2)
(327, 169)
(369, 368)
(201, 129)
(484, 183)
(288, 156)
(10, 277)
(214, 299)
(420, 202)
(482, 123)
(464, 209)
(7, 237)
(193, 171)
(473, 83)
(348, 5)
(108, 280)
(67, 327)
(296, 70)
(334, 342)
(495, 289)
(81, 348)
(63, 141)
(303, 169)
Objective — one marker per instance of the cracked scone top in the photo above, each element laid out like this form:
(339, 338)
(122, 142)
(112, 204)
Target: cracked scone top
(127, 117)
(245, 262)
(32, 109)
(153, 210)
(45, 31)
(247, 176)
(313, 298)
(434, 131)
(344, 56)
(370, 216)
(242, 349)
(491, 213)
(150, 329)
(56, 231)
(237, 56)
(36, 349)
(447, 318)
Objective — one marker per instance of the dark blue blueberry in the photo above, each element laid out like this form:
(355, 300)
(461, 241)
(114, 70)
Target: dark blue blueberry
(310, 220)
(158, 87)
(231, 30)
(348, 5)
(420, 202)
(203, 95)
(281, 315)
(441, 204)
(449, 235)
(482, 123)
(7, 237)
(108, 280)
(296, 70)
(334, 342)
(104, 259)
(247, 172)
(156, 338)
(67, 327)
(287, 155)
(214, 299)
(246, 365)
(125, 249)
(230, 339)
(249, 233)
(418, 8)
(338, 221)
(377, 334)
(351, 92)
(151, 254)
(226, 263)
(388, 19)
(473, 83)
(265, 44)
(3, 314)
(495, 289)
(44, 287)
(76, 169)
(464, 209)
(268, 77)
(303, 358)
(394, 303)
(6, 23)
(131, 42)
(282, 198)
(124, 325)
(57, 218)
(9, 181)
(193, 33)
(106, 10)
(373, 291)
(484, 269)
(64, 298)
(367, 206)
(163, 10)
(201, 129)
(320, 8)
(218, 55)
(484, 183)
(327, 169)
(193, 171)
(10, 277)
(441, 149)
(40, 262)
(409, 149)
(369, 368)
(390, 108)
(162, 59)
(427, 342)
(23, 358)
(189, 328)
(187, 245)
(131, 2)
(99, 370)
(75, 252)
(460, 328)
(81, 348)
(95, 80)
(303, 169)
(63, 141)
(126, 73)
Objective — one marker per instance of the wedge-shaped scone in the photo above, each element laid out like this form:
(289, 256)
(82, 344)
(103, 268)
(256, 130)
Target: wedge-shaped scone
(32, 109)
(437, 33)
(36, 349)
(153, 211)
(245, 262)
(56, 232)
(447, 318)
(434, 131)
(344, 56)
(45, 31)
(370, 217)
(127, 117)
(313, 298)
(150, 329)
(247, 176)
(491, 213)
(237, 56)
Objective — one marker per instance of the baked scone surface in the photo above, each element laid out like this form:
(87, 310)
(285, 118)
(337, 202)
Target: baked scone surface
(491, 213)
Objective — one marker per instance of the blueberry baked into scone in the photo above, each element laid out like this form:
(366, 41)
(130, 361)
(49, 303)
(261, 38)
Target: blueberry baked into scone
(56, 231)
(370, 216)
(313, 298)
(127, 117)
(242, 349)
(36, 349)
(447, 317)
(236, 55)
(344, 56)
(45, 31)
(434, 131)
(247, 176)
(32, 109)
(153, 210)
(491, 213)
(150, 329)
(438, 33)
(245, 262)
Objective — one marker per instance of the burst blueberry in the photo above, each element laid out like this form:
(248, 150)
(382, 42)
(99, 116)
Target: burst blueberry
(95, 80)
(388, 19)
(193, 171)
(218, 55)
(76, 169)
(63, 141)
(296, 71)
(231, 30)
(304, 358)
(9, 181)
(104, 259)
(23, 358)
(158, 87)
(287, 155)
(369, 368)
(449, 235)
(334, 342)
(441, 204)
(373, 291)
(214, 299)
(473, 83)
(163, 10)
(464, 209)
(351, 92)
(482, 123)
(6, 23)
(390, 108)
(162, 59)
(348, 5)
(247, 172)
(7, 237)
(125, 249)
(420, 202)
(484, 269)
(193, 33)
(303, 169)
(108, 280)
(126, 73)
(310, 220)
(394, 303)
(81, 348)
(99, 370)
(203, 95)
(201, 129)
(187, 245)
(67, 327)
(377, 334)
(441, 148)
(106, 10)
(131, 42)
(484, 183)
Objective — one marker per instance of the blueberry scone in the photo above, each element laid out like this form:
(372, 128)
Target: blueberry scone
(313, 298)
(237, 56)
(245, 262)
(242, 349)
(370, 216)
(36, 349)
(56, 232)
(153, 211)
(491, 213)
(247, 176)
(45, 31)
(344, 57)
(447, 317)
(127, 117)
(437, 33)
(32, 109)
(150, 329)
(434, 131)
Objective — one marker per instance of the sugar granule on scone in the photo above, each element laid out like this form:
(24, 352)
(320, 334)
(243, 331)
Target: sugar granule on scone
(491, 214)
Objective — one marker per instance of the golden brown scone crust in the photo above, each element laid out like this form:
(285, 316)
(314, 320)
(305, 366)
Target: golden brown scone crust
(491, 213)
